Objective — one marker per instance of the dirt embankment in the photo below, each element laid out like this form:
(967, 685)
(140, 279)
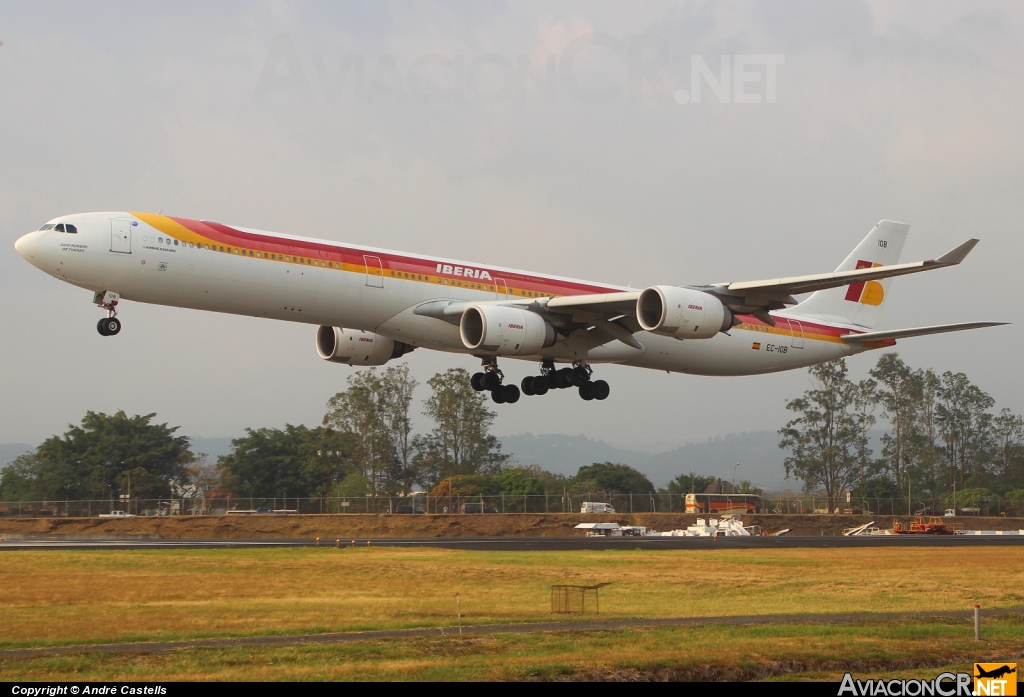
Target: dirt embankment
(448, 525)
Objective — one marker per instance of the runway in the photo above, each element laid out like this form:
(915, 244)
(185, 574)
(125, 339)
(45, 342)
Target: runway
(516, 544)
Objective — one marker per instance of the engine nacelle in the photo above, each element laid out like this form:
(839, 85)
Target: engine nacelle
(504, 331)
(682, 313)
(355, 347)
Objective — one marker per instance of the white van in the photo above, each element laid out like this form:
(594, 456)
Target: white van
(596, 507)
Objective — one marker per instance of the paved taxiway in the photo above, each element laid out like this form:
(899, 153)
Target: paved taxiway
(518, 544)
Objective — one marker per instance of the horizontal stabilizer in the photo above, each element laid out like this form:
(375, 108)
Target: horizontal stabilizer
(916, 331)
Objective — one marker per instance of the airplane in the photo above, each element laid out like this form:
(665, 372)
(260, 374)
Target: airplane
(372, 305)
(995, 673)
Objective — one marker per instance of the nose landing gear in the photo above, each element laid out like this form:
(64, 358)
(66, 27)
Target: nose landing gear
(109, 325)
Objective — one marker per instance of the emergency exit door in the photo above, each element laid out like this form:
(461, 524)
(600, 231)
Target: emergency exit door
(121, 236)
(798, 333)
(374, 272)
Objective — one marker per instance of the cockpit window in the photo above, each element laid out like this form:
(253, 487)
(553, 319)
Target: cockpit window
(60, 227)
(71, 228)
(48, 226)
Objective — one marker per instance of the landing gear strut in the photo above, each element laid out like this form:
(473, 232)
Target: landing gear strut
(577, 376)
(109, 325)
(491, 380)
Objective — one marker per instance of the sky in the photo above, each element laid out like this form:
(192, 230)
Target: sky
(559, 137)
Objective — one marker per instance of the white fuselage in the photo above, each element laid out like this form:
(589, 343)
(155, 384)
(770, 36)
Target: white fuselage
(206, 266)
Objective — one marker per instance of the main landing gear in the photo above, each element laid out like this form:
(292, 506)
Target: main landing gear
(491, 380)
(577, 376)
(109, 325)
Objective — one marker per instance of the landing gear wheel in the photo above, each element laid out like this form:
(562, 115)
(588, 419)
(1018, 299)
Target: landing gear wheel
(600, 389)
(492, 381)
(587, 391)
(540, 385)
(527, 385)
(552, 380)
(498, 395)
(510, 394)
(109, 326)
(580, 375)
(564, 378)
(477, 381)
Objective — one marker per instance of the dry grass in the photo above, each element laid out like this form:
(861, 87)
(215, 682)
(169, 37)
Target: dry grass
(68, 597)
(912, 649)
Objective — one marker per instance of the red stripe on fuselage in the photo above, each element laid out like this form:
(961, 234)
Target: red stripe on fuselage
(223, 234)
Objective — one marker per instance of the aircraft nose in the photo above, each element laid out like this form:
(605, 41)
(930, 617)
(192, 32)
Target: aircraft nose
(25, 246)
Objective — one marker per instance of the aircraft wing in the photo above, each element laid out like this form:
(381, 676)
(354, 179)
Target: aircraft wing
(781, 287)
(916, 331)
(608, 316)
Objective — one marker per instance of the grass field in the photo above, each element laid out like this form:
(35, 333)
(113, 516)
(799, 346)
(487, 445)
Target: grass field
(74, 597)
(814, 652)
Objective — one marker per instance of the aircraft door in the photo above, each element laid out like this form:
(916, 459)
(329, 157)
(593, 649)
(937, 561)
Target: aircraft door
(374, 272)
(500, 289)
(798, 333)
(121, 236)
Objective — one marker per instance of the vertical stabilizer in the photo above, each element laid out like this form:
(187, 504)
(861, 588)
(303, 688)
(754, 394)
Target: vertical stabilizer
(860, 303)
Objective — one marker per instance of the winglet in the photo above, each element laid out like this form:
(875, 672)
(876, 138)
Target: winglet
(957, 255)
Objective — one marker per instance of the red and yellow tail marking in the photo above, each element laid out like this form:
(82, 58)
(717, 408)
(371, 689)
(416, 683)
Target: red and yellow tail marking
(866, 292)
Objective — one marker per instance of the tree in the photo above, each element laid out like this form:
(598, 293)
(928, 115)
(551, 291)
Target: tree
(396, 388)
(828, 439)
(94, 459)
(359, 413)
(28, 478)
(518, 482)
(689, 483)
(612, 477)
(900, 395)
(966, 425)
(330, 464)
(460, 442)
(1008, 431)
(270, 462)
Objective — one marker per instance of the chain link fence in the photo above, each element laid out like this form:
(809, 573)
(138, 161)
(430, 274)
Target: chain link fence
(551, 503)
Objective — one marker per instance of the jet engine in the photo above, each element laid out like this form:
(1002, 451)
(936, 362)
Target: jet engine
(505, 331)
(682, 313)
(355, 347)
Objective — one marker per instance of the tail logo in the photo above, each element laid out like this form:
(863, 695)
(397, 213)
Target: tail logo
(866, 292)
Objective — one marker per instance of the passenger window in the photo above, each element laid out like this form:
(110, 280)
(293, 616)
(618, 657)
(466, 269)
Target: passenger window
(175, 241)
(48, 226)
(59, 228)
